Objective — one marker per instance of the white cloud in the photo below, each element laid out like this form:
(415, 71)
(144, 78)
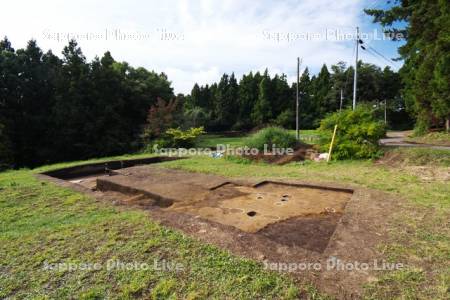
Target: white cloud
(211, 37)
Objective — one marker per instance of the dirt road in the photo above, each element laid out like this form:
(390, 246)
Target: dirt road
(398, 139)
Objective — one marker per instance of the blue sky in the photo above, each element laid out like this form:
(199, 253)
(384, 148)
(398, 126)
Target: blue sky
(198, 41)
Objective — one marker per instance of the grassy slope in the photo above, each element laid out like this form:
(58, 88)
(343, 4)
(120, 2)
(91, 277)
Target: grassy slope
(42, 222)
(433, 138)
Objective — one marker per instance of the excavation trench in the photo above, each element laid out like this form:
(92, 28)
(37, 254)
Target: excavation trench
(286, 213)
(280, 222)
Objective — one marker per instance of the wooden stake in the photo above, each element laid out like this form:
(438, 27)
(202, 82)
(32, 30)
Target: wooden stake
(332, 142)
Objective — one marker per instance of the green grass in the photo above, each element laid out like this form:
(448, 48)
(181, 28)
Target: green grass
(432, 138)
(420, 236)
(422, 156)
(362, 173)
(212, 140)
(41, 222)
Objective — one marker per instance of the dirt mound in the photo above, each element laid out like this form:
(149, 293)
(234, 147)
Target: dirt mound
(301, 153)
(391, 158)
(425, 172)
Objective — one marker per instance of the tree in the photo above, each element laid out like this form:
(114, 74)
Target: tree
(323, 98)
(196, 117)
(6, 153)
(283, 97)
(226, 108)
(262, 111)
(54, 109)
(247, 97)
(195, 98)
(426, 55)
(161, 117)
(307, 110)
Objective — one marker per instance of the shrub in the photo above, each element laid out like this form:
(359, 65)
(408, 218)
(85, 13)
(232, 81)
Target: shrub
(272, 136)
(184, 139)
(285, 119)
(357, 135)
(175, 138)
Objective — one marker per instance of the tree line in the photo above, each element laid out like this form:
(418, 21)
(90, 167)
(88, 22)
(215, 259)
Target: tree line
(258, 99)
(57, 109)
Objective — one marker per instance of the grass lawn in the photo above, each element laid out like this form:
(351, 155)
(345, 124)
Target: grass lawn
(212, 140)
(42, 223)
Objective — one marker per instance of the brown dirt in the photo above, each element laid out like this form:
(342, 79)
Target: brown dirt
(309, 232)
(252, 208)
(351, 235)
(303, 152)
(426, 173)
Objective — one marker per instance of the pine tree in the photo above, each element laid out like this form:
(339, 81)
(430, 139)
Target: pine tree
(426, 54)
(247, 97)
(262, 111)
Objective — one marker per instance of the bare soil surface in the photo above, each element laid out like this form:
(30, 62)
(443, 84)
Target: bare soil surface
(251, 209)
(297, 231)
(303, 152)
(334, 224)
(426, 173)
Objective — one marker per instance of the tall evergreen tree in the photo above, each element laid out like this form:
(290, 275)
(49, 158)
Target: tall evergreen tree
(307, 109)
(322, 87)
(247, 97)
(262, 111)
(426, 54)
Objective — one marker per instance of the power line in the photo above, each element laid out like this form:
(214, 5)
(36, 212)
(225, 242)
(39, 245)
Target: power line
(377, 54)
(385, 58)
(371, 53)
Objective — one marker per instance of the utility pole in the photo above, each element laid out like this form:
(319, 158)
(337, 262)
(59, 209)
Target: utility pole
(355, 78)
(297, 129)
(385, 111)
(342, 98)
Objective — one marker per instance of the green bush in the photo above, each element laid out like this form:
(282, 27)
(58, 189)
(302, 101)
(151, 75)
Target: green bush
(271, 136)
(357, 134)
(285, 119)
(175, 138)
(184, 139)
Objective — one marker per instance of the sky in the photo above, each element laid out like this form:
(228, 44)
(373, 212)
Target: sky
(198, 41)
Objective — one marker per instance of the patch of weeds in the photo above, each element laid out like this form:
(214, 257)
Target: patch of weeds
(398, 284)
(238, 160)
(165, 289)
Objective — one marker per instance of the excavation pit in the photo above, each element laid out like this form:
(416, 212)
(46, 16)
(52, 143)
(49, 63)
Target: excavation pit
(278, 222)
(258, 207)
(289, 214)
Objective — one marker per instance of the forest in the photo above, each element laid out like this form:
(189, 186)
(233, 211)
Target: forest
(258, 99)
(58, 109)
